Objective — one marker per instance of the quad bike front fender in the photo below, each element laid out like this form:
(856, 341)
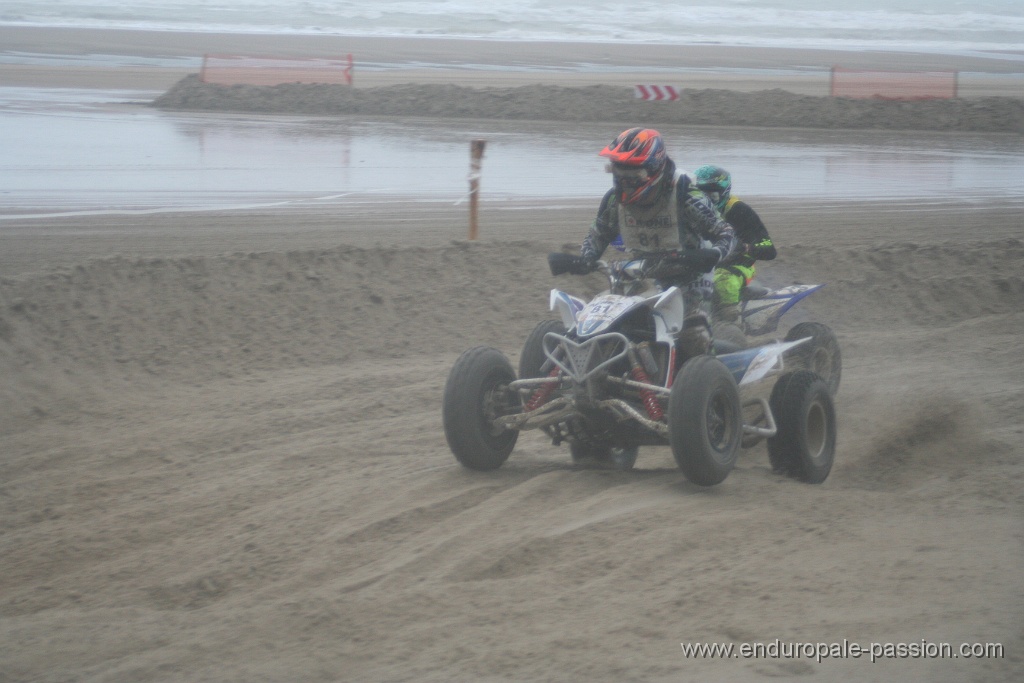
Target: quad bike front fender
(567, 306)
(669, 313)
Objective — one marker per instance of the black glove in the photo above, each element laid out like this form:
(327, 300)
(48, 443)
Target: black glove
(706, 259)
(686, 264)
(583, 266)
(560, 263)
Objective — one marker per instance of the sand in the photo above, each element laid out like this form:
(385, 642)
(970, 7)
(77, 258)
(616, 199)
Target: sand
(221, 459)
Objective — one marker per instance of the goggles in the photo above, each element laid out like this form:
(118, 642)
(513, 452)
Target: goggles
(629, 178)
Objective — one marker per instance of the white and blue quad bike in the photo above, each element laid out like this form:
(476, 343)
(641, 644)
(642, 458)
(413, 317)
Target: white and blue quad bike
(761, 310)
(607, 378)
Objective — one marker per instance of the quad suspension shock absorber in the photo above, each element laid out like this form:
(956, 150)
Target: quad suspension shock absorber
(648, 397)
(543, 392)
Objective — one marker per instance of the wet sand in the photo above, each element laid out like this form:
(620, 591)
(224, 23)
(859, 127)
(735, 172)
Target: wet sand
(222, 459)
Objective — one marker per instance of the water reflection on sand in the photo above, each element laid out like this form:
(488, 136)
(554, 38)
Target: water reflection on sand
(75, 150)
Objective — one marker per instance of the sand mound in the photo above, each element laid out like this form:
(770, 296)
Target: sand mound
(225, 315)
(770, 108)
(219, 316)
(920, 284)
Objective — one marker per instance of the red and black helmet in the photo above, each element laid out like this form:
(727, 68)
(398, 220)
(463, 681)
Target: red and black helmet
(638, 160)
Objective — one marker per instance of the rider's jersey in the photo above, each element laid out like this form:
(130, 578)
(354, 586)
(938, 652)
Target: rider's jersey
(683, 218)
(655, 228)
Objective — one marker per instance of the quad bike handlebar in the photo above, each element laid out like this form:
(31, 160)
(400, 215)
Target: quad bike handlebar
(674, 266)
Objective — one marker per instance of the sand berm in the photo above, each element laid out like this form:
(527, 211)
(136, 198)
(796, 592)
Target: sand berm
(767, 108)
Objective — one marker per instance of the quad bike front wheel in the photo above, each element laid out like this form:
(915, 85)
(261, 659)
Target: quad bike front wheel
(475, 395)
(820, 355)
(532, 357)
(804, 447)
(705, 420)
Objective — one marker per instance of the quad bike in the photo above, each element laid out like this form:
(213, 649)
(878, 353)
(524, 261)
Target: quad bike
(609, 377)
(760, 312)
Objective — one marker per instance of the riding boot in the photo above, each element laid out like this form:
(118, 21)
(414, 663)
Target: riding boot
(728, 313)
(693, 341)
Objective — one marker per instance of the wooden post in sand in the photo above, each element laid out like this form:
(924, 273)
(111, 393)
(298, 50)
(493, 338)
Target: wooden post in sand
(476, 153)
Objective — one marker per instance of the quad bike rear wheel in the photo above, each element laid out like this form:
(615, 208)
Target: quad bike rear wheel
(804, 446)
(475, 394)
(705, 420)
(820, 355)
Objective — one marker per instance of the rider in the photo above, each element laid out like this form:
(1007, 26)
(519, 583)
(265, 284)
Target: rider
(755, 244)
(659, 212)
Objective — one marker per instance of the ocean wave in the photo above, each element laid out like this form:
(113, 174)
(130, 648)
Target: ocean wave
(944, 27)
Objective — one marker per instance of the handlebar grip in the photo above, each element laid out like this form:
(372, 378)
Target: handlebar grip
(560, 263)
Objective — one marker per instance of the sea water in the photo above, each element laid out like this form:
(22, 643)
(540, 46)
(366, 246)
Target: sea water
(948, 26)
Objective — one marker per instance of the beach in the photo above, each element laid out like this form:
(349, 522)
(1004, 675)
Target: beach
(223, 458)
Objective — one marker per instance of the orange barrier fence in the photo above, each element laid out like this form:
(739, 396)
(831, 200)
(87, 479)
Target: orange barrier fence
(240, 70)
(893, 85)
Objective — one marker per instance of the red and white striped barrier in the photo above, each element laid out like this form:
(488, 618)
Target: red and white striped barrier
(658, 93)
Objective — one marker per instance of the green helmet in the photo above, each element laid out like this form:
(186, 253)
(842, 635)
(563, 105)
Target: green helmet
(715, 182)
